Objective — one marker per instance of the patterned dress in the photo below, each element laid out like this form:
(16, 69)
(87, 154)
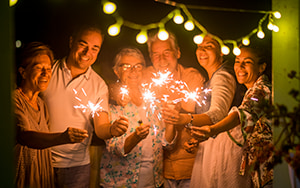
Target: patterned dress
(118, 169)
(257, 131)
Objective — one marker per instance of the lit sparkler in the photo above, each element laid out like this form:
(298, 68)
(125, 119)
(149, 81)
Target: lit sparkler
(91, 107)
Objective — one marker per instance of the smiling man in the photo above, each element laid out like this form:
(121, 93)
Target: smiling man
(75, 83)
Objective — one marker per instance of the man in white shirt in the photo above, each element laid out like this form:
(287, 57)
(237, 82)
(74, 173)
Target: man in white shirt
(75, 83)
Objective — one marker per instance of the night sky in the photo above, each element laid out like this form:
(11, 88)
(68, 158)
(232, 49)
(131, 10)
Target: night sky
(51, 22)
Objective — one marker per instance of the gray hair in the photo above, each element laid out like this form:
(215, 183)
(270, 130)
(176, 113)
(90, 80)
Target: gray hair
(129, 51)
(153, 37)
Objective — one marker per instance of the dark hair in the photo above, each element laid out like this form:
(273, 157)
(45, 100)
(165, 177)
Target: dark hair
(28, 53)
(263, 52)
(86, 27)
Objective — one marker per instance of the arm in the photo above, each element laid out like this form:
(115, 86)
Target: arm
(42, 140)
(204, 132)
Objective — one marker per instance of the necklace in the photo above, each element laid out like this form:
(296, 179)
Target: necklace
(34, 104)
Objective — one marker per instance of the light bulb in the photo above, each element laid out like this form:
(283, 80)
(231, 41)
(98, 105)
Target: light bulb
(270, 26)
(275, 28)
(198, 39)
(109, 7)
(142, 37)
(178, 19)
(189, 25)
(163, 34)
(236, 51)
(114, 30)
(277, 15)
(225, 50)
(12, 2)
(246, 41)
(260, 34)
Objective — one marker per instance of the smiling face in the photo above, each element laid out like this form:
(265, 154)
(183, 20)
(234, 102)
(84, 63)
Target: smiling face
(130, 70)
(208, 53)
(163, 56)
(247, 68)
(37, 74)
(84, 50)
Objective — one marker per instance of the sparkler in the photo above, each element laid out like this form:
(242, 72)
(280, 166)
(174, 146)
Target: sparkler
(93, 108)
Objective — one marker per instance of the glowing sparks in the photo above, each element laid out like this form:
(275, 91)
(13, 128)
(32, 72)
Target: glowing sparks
(161, 78)
(124, 91)
(89, 107)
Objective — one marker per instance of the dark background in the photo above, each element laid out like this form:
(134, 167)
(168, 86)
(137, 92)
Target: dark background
(52, 21)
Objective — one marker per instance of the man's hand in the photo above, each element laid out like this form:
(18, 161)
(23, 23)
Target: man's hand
(75, 135)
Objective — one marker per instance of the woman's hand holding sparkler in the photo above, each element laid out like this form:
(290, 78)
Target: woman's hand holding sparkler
(170, 113)
(142, 131)
(119, 126)
(75, 135)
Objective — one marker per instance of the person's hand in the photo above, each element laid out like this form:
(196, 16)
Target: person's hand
(75, 135)
(170, 113)
(119, 126)
(142, 131)
(200, 133)
(191, 145)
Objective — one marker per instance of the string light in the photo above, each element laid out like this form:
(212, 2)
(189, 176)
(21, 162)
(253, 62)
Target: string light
(12, 2)
(190, 24)
(142, 37)
(178, 19)
(109, 7)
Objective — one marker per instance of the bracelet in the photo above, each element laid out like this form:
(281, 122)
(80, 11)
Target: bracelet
(191, 122)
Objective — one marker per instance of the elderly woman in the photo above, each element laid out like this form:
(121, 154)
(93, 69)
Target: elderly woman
(33, 156)
(135, 158)
(249, 118)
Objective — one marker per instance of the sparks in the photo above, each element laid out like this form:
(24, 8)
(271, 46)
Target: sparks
(124, 91)
(90, 107)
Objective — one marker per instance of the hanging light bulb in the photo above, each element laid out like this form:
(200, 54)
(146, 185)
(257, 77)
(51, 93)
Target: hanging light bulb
(189, 25)
(236, 50)
(246, 41)
(198, 39)
(275, 28)
(260, 34)
(163, 34)
(12, 2)
(277, 15)
(109, 7)
(142, 37)
(225, 50)
(270, 26)
(178, 19)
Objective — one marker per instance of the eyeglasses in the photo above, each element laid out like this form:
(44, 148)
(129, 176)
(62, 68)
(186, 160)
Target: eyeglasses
(128, 67)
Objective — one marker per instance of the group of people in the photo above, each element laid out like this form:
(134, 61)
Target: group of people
(174, 144)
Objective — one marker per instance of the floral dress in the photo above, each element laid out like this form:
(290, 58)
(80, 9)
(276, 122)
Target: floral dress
(257, 131)
(118, 169)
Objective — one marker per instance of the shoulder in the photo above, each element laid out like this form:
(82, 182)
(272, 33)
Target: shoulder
(188, 73)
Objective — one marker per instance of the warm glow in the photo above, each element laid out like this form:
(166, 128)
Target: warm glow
(178, 19)
(12, 2)
(163, 34)
(189, 25)
(142, 37)
(109, 7)
(114, 30)
(277, 15)
(18, 43)
(260, 34)
(270, 26)
(275, 28)
(236, 51)
(246, 41)
(198, 39)
(225, 50)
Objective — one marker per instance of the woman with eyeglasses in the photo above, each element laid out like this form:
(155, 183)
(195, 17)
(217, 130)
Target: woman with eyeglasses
(135, 158)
